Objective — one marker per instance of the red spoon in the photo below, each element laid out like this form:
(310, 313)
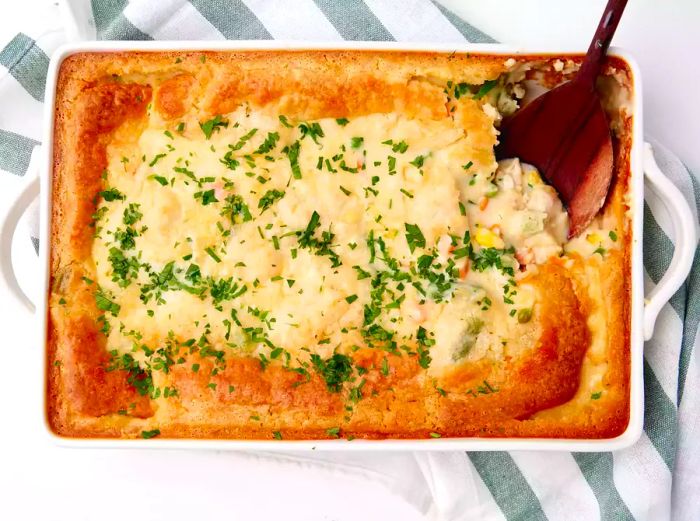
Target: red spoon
(565, 134)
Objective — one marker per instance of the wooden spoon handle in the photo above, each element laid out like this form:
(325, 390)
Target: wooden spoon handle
(601, 41)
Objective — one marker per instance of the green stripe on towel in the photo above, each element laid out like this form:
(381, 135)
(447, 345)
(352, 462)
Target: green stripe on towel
(354, 20)
(471, 33)
(111, 24)
(233, 19)
(27, 63)
(507, 485)
(15, 152)
(597, 468)
(660, 417)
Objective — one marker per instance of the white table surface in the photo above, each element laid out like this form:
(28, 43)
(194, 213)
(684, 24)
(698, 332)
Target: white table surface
(40, 481)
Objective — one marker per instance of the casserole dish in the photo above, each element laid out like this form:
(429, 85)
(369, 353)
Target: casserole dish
(59, 155)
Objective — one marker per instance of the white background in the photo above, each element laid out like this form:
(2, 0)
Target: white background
(39, 481)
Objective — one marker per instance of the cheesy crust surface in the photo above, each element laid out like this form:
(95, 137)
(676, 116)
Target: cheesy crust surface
(307, 245)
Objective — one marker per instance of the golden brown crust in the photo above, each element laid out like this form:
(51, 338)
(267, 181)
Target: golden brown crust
(105, 97)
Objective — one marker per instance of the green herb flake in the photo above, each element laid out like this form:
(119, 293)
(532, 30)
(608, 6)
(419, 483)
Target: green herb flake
(269, 198)
(333, 432)
(342, 121)
(236, 209)
(357, 142)
(292, 153)
(147, 435)
(277, 435)
(613, 236)
(112, 194)
(213, 125)
(212, 254)
(418, 161)
(414, 237)
(350, 299)
(435, 435)
(269, 144)
(284, 121)
(596, 396)
(104, 303)
(313, 130)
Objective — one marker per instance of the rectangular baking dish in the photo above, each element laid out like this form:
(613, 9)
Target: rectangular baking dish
(642, 315)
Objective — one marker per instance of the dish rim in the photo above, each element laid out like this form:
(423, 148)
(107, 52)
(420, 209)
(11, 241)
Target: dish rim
(636, 187)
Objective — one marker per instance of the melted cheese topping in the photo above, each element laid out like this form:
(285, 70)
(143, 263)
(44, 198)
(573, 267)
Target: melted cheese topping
(281, 239)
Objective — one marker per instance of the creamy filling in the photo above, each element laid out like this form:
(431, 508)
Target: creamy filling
(255, 235)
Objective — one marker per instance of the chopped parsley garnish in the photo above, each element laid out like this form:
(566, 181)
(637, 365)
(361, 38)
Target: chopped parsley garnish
(132, 214)
(460, 89)
(267, 200)
(399, 147)
(124, 269)
(269, 143)
(231, 162)
(414, 237)
(322, 246)
(418, 161)
(162, 180)
(207, 197)
(333, 432)
(313, 130)
(468, 165)
(342, 121)
(147, 435)
(613, 236)
(112, 194)
(493, 257)
(435, 435)
(105, 303)
(284, 121)
(225, 289)
(212, 254)
(391, 163)
(335, 370)
(485, 88)
(277, 435)
(424, 344)
(213, 125)
(596, 396)
(236, 209)
(292, 152)
(350, 299)
(243, 140)
(345, 190)
(156, 159)
(357, 142)
(385, 367)
(126, 238)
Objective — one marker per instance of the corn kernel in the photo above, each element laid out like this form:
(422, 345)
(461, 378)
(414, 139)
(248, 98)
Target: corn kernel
(593, 238)
(487, 239)
(533, 178)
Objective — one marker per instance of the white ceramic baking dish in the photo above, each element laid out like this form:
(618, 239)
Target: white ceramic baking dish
(644, 309)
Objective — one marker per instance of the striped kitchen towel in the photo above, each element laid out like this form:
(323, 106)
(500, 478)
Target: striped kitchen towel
(656, 479)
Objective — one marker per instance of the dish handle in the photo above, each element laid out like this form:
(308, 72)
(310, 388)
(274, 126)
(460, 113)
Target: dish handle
(7, 231)
(685, 238)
